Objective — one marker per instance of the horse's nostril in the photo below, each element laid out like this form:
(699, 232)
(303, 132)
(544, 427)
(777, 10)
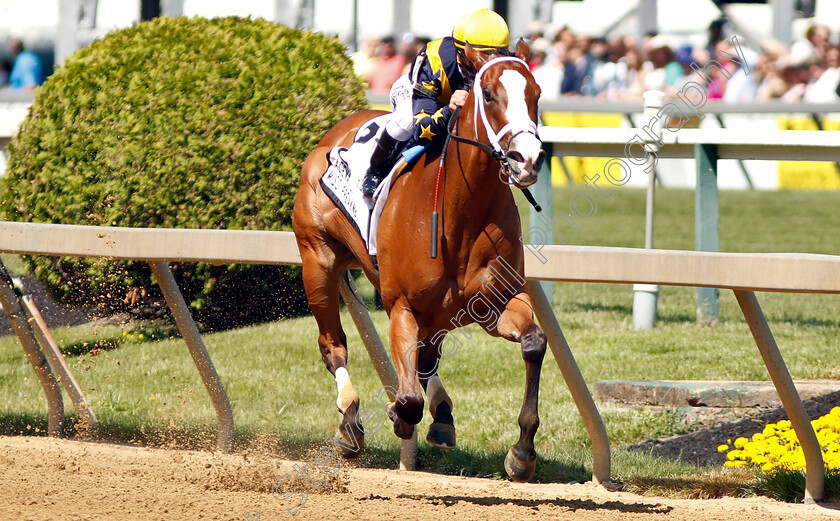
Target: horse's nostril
(513, 155)
(539, 163)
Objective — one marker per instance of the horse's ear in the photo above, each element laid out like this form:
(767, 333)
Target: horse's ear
(476, 58)
(523, 50)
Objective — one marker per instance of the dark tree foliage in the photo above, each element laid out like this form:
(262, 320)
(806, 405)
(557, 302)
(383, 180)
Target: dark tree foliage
(179, 123)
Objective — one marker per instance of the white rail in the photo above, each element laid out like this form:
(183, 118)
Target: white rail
(742, 272)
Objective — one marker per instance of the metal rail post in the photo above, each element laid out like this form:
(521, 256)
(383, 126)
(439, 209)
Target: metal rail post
(574, 380)
(379, 357)
(814, 464)
(56, 360)
(646, 295)
(198, 351)
(544, 195)
(55, 404)
(707, 225)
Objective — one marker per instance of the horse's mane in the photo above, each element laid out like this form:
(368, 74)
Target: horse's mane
(471, 70)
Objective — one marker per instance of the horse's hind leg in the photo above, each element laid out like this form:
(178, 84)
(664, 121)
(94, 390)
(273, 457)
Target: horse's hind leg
(442, 430)
(321, 282)
(517, 324)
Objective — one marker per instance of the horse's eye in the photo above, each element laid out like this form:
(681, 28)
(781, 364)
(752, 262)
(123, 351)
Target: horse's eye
(488, 97)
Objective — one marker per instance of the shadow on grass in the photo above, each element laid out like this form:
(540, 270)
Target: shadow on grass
(622, 309)
(107, 343)
(713, 485)
(789, 485)
(810, 321)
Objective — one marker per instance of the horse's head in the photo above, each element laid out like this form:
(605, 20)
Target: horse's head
(505, 97)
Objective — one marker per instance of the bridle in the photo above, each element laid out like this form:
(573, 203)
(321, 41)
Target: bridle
(494, 148)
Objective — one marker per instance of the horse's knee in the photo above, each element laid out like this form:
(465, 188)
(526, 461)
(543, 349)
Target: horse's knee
(533, 344)
(409, 407)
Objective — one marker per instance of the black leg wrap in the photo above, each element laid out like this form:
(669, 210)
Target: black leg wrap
(442, 431)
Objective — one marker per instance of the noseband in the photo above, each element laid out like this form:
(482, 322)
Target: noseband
(495, 148)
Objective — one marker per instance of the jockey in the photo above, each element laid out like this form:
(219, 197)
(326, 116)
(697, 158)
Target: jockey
(438, 82)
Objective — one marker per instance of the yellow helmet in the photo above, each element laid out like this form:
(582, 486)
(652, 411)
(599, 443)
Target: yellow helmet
(484, 29)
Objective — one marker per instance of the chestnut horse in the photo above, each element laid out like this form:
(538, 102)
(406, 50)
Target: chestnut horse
(477, 275)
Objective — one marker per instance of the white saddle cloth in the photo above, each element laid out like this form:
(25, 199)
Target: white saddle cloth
(342, 181)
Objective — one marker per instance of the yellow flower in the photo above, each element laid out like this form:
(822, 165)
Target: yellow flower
(152, 398)
(732, 464)
(723, 448)
(141, 336)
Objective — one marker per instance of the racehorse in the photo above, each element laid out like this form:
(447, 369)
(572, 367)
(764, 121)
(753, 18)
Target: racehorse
(477, 275)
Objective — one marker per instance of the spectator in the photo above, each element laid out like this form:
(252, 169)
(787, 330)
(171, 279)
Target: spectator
(823, 87)
(631, 75)
(796, 79)
(715, 34)
(27, 71)
(662, 71)
(410, 48)
(363, 58)
(581, 65)
(387, 67)
(812, 48)
(5, 71)
(549, 74)
(771, 84)
(539, 53)
(594, 80)
(742, 86)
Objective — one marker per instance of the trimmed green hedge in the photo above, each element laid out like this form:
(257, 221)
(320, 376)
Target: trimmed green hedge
(184, 123)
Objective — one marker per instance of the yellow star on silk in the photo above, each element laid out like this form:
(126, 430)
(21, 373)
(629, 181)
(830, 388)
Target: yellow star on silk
(427, 132)
(437, 115)
(420, 117)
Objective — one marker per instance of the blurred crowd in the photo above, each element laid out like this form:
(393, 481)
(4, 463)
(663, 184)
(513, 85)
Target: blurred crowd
(621, 67)
(22, 70)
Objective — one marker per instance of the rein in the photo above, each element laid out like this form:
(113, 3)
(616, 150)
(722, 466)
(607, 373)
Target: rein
(495, 151)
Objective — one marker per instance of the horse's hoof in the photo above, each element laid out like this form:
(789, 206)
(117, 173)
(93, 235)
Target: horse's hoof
(441, 435)
(348, 447)
(403, 430)
(517, 469)
(350, 437)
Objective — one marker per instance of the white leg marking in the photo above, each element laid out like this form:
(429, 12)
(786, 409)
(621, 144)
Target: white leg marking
(436, 394)
(346, 392)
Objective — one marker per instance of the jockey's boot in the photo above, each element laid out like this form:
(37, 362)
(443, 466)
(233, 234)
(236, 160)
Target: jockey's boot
(380, 163)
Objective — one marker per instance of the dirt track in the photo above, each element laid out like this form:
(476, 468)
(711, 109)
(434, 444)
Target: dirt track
(48, 479)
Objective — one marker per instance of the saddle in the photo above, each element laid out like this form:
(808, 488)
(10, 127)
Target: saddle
(342, 181)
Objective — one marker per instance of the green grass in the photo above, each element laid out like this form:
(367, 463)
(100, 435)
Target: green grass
(284, 400)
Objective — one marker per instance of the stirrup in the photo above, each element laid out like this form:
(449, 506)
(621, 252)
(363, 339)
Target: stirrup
(371, 183)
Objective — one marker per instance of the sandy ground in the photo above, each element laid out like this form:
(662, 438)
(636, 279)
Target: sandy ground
(50, 479)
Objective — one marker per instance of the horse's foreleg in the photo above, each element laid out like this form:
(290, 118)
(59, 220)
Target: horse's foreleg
(321, 285)
(517, 324)
(405, 351)
(442, 430)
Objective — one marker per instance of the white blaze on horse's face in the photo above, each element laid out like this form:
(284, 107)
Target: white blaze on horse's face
(525, 154)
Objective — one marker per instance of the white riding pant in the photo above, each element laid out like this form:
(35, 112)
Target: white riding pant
(401, 125)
